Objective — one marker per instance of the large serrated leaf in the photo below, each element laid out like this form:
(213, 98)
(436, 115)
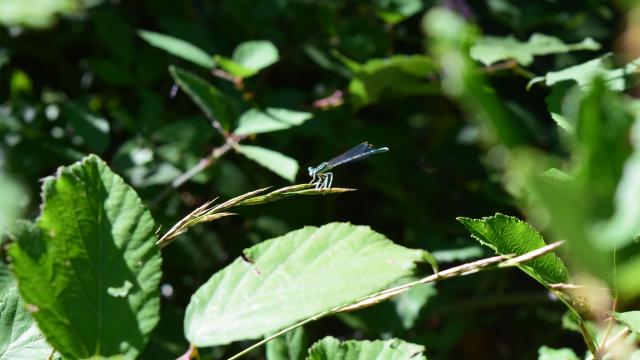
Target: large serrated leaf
(209, 99)
(272, 160)
(179, 48)
(491, 49)
(88, 266)
(294, 277)
(331, 348)
(507, 235)
(19, 335)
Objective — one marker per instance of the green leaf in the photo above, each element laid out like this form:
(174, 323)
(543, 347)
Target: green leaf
(280, 164)
(249, 58)
(323, 60)
(584, 74)
(547, 353)
(507, 235)
(290, 346)
(393, 12)
(450, 37)
(254, 121)
(457, 254)
(563, 99)
(491, 49)
(213, 103)
(93, 234)
(630, 319)
(256, 55)
(93, 130)
(179, 48)
(284, 280)
(397, 75)
(6, 279)
(331, 348)
(409, 303)
(19, 335)
(35, 13)
(599, 160)
(13, 200)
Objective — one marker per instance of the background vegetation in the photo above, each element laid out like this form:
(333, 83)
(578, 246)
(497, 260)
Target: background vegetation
(473, 107)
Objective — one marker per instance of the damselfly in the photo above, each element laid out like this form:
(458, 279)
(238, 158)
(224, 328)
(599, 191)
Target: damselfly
(320, 175)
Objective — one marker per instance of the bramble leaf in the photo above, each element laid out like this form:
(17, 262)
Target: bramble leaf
(291, 278)
(507, 235)
(73, 263)
(331, 348)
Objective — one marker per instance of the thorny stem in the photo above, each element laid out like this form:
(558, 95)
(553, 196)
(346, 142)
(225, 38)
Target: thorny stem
(461, 270)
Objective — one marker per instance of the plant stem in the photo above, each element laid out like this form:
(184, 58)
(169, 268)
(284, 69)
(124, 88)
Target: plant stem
(199, 167)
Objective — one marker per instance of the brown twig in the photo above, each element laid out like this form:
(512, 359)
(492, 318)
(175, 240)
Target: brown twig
(236, 80)
(230, 143)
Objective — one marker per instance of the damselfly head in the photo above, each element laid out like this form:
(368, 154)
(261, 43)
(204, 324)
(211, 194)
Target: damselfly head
(311, 171)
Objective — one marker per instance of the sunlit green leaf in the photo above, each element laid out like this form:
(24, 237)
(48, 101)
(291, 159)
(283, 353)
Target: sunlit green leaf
(291, 278)
(19, 335)
(331, 348)
(398, 74)
(547, 353)
(395, 11)
(92, 235)
(615, 78)
(249, 58)
(280, 164)
(491, 49)
(35, 13)
(507, 235)
(255, 121)
(179, 48)
(208, 98)
(630, 319)
(255, 55)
